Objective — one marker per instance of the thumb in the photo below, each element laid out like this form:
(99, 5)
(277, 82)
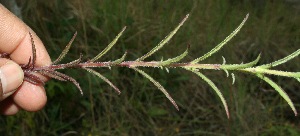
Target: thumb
(11, 77)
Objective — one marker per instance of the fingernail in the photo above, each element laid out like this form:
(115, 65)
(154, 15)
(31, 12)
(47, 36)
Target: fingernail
(11, 76)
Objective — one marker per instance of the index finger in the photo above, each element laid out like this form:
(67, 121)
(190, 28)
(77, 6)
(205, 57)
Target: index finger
(15, 40)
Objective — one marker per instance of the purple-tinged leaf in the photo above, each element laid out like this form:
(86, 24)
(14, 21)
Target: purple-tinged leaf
(51, 74)
(68, 78)
(33, 52)
(104, 79)
(31, 78)
(65, 51)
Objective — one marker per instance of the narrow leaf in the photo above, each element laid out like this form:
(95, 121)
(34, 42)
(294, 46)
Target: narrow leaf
(281, 61)
(31, 78)
(65, 51)
(175, 59)
(220, 45)
(240, 66)
(118, 61)
(70, 64)
(280, 91)
(158, 85)
(272, 72)
(33, 81)
(164, 41)
(104, 79)
(227, 73)
(67, 78)
(298, 79)
(33, 51)
(224, 60)
(28, 64)
(233, 78)
(215, 88)
(75, 62)
(167, 70)
(51, 75)
(108, 47)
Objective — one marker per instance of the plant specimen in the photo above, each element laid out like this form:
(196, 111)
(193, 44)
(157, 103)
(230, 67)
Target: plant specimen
(261, 71)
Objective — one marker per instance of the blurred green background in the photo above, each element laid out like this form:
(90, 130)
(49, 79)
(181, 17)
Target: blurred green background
(272, 29)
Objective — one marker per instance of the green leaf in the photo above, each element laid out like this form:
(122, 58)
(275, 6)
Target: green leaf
(118, 61)
(175, 59)
(158, 85)
(224, 60)
(281, 61)
(65, 51)
(220, 45)
(233, 78)
(104, 79)
(104, 51)
(280, 91)
(240, 66)
(298, 79)
(272, 72)
(215, 88)
(227, 73)
(164, 41)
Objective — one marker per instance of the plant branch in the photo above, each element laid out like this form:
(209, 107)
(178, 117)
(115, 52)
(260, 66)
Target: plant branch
(176, 62)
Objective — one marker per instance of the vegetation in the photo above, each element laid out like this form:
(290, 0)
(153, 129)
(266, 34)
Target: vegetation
(139, 109)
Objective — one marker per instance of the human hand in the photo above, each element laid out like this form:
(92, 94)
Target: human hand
(15, 40)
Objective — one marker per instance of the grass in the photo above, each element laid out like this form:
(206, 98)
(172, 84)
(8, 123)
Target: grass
(255, 108)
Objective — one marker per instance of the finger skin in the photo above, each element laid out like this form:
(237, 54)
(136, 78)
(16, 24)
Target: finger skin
(15, 40)
(8, 107)
(30, 97)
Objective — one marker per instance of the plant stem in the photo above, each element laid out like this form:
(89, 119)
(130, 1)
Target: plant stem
(130, 64)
